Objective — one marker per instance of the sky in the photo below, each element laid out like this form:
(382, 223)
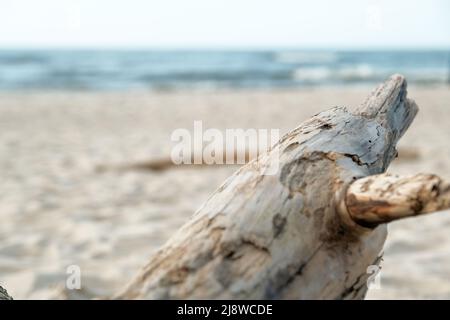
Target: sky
(225, 23)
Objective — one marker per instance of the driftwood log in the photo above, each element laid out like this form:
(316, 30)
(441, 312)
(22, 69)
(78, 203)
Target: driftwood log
(311, 230)
(4, 294)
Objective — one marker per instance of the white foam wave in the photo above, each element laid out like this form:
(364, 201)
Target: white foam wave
(344, 73)
(306, 57)
(312, 74)
(356, 72)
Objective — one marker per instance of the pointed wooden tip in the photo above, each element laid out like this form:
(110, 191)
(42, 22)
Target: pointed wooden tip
(389, 106)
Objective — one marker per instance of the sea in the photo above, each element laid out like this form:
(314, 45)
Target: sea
(103, 70)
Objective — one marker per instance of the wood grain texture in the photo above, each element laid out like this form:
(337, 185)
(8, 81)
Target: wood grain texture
(383, 198)
(284, 236)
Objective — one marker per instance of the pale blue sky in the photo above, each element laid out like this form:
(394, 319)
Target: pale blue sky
(225, 23)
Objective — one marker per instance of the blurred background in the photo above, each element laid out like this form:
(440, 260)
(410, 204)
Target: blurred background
(205, 69)
(90, 92)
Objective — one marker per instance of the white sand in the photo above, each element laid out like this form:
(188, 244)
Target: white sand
(57, 210)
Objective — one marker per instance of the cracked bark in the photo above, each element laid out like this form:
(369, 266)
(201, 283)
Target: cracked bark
(288, 235)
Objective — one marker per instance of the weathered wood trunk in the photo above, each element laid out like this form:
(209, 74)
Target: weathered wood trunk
(4, 294)
(289, 235)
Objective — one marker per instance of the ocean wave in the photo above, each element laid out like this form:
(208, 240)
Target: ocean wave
(11, 58)
(217, 75)
(426, 76)
(364, 73)
(358, 72)
(312, 74)
(112, 70)
(306, 57)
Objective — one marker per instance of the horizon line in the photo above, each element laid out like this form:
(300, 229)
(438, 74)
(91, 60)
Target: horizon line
(224, 48)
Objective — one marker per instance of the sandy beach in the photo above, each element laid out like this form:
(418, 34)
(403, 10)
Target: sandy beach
(70, 193)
